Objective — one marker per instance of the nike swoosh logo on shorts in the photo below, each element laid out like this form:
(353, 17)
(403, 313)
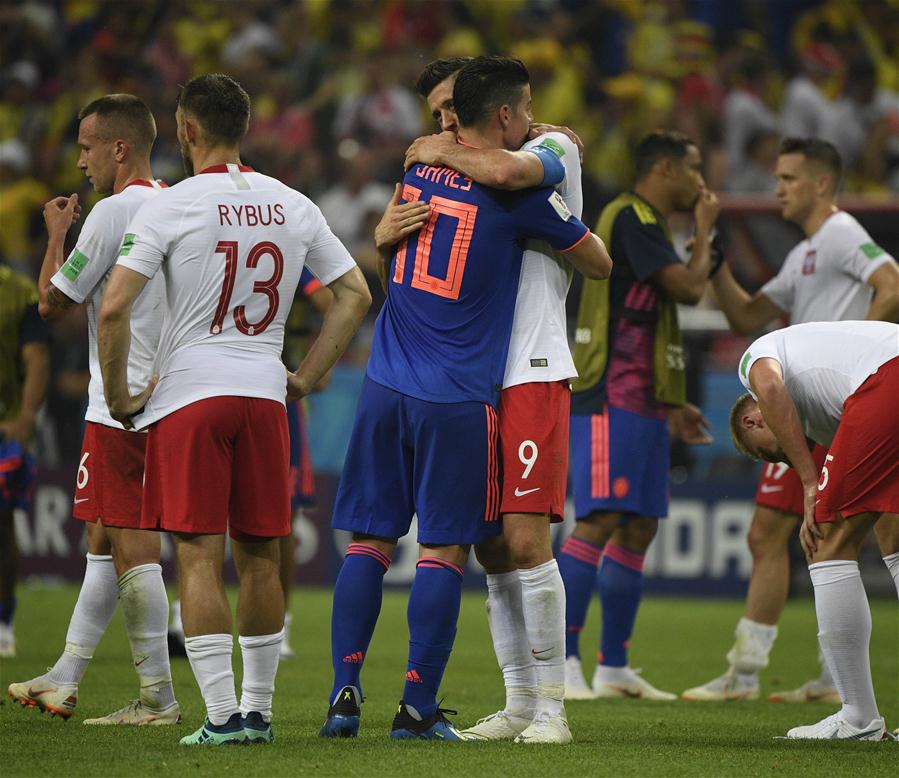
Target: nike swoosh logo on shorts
(520, 493)
(767, 488)
(79, 500)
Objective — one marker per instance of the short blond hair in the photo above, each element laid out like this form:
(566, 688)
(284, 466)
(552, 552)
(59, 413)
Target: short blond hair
(736, 427)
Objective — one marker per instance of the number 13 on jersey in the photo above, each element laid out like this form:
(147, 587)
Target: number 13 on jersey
(268, 287)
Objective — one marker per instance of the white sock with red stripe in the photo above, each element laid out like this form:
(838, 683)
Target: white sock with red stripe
(96, 603)
(892, 563)
(510, 643)
(844, 633)
(543, 606)
(210, 659)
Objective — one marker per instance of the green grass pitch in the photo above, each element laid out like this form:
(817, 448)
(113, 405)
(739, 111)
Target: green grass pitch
(678, 643)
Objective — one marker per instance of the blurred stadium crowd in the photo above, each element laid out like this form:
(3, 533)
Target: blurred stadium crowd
(331, 83)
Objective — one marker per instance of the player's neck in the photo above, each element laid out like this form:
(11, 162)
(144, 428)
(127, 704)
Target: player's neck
(136, 171)
(655, 197)
(813, 222)
(480, 139)
(204, 158)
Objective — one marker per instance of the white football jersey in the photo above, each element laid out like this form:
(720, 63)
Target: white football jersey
(231, 244)
(825, 277)
(538, 349)
(823, 363)
(83, 277)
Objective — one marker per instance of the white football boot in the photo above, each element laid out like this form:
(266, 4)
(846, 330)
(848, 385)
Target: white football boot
(836, 728)
(546, 728)
(730, 686)
(497, 726)
(7, 641)
(135, 713)
(812, 691)
(45, 695)
(625, 682)
(575, 686)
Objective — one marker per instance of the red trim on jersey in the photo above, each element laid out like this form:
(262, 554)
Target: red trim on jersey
(467, 145)
(576, 243)
(224, 169)
(144, 182)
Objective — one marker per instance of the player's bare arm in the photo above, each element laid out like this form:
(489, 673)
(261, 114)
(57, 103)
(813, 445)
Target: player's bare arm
(36, 364)
(351, 302)
(114, 342)
(779, 413)
(688, 423)
(399, 221)
(885, 303)
(496, 168)
(60, 214)
(745, 313)
(591, 257)
(685, 282)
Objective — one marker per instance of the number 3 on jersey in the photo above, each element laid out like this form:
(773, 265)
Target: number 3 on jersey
(269, 287)
(465, 215)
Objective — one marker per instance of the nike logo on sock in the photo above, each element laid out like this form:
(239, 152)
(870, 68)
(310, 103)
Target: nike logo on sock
(535, 652)
(523, 492)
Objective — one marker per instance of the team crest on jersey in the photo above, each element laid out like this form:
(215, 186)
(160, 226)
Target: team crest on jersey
(808, 264)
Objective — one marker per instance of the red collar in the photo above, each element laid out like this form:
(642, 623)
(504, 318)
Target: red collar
(143, 182)
(224, 169)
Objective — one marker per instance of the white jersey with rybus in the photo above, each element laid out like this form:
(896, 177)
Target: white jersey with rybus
(83, 277)
(825, 277)
(538, 348)
(823, 363)
(231, 244)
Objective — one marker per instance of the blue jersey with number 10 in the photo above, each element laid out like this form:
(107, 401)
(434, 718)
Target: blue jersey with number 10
(443, 334)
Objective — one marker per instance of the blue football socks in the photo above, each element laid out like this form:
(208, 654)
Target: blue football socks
(620, 583)
(577, 561)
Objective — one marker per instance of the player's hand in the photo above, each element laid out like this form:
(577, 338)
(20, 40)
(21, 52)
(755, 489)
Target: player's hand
(297, 388)
(687, 423)
(809, 532)
(60, 213)
(123, 411)
(541, 129)
(429, 149)
(705, 212)
(19, 429)
(399, 220)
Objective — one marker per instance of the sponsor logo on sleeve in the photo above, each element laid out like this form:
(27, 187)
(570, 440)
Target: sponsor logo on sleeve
(74, 265)
(558, 204)
(127, 244)
(871, 250)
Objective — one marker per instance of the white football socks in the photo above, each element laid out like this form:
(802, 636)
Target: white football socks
(892, 563)
(749, 654)
(543, 606)
(844, 632)
(210, 659)
(260, 663)
(145, 608)
(90, 617)
(510, 643)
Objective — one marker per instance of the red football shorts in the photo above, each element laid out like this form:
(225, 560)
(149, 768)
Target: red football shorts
(533, 431)
(220, 464)
(780, 488)
(110, 478)
(861, 472)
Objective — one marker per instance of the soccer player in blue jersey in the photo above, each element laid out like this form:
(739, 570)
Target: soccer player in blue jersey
(428, 403)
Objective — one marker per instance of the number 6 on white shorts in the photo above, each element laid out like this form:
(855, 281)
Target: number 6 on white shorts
(527, 459)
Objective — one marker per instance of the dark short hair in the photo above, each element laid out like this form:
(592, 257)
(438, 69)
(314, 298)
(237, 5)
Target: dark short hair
(438, 71)
(221, 106)
(817, 151)
(736, 426)
(485, 84)
(123, 116)
(660, 144)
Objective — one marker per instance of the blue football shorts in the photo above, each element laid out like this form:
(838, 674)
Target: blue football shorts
(408, 456)
(619, 463)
